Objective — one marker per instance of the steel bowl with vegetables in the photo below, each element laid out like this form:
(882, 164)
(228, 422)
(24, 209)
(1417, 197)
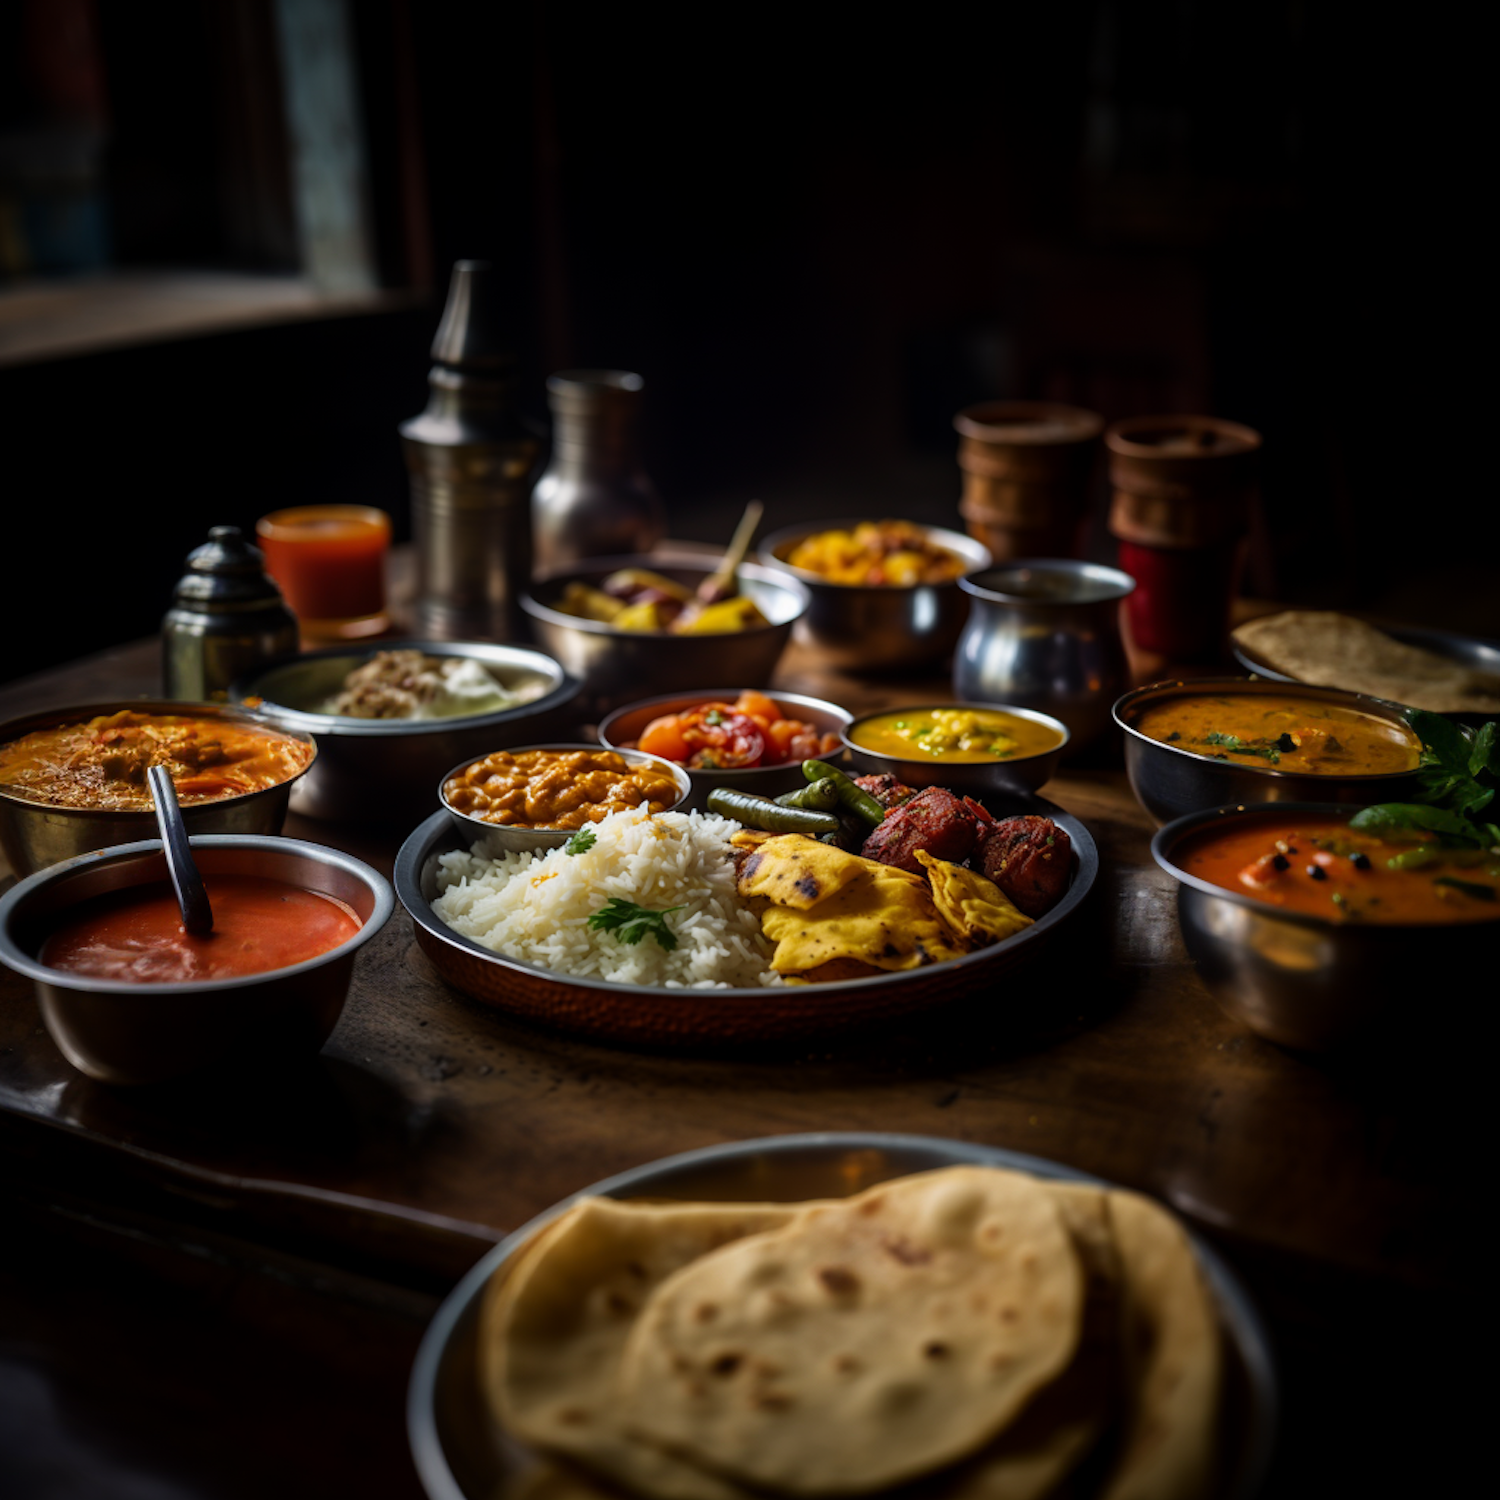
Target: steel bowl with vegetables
(619, 664)
(744, 739)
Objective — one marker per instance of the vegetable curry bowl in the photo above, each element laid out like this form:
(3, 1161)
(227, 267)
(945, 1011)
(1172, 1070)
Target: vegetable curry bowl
(1315, 924)
(74, 779)
(1199, 744)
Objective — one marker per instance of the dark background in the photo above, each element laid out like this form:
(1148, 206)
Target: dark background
(817, 237)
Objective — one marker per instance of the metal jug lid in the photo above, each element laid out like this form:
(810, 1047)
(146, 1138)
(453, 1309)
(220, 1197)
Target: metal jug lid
(227, 572)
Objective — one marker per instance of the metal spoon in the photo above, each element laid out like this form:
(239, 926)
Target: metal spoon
(192, 897)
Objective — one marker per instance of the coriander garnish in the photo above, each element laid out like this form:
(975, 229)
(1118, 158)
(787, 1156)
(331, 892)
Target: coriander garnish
(581, 842)
(630, 923)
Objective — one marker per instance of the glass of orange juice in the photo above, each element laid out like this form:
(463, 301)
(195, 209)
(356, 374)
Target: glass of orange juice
(329, 562)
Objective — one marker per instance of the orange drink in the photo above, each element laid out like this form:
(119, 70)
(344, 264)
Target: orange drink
(329, 562)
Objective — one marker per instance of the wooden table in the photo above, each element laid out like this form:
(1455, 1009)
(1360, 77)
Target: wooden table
(216, 1288)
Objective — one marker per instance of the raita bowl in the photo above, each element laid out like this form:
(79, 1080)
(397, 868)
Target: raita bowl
(382, 770)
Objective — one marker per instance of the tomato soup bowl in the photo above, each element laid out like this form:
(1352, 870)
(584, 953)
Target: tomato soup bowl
(879, 628)
(627, 724)
(1170, 782)
(974, 778)
(37, 834)
(121, 1032)
(1314, 984)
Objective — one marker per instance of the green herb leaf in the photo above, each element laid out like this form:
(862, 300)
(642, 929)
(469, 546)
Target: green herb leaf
(1238, 746)
(1388, 818)
(713, 716)
(630, 923)
(581, 842)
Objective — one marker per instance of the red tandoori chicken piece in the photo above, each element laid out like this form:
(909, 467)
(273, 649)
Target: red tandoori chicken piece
(1030, 859)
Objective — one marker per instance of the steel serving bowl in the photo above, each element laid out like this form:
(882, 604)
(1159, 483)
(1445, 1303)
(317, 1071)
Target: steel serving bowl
(877, 627)
(1304, 981)
(37, 834)
(1170, 782)
(649, 1016)
(628, 724)
(501, 838)
(975, 778)
(382, 770)
(460, 1455)
(126, 1033)
(617, 666)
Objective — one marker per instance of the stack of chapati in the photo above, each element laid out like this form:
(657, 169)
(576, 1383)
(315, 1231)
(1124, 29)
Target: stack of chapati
(969, 1332)
(1332, 650)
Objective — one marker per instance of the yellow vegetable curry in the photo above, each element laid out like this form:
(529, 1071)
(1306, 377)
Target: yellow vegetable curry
(1283, 732)
(955, 734)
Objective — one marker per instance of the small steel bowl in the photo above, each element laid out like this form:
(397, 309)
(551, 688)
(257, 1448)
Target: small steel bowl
(502, 838)
(381, 770)
(616, 666)
(629, 723)
(37, 834)
(1170, 782)
(974, 778)
(127, 1033)
(1302, 981)
(879, 628)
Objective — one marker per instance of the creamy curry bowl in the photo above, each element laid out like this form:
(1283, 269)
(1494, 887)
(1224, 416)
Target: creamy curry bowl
(1196, 744)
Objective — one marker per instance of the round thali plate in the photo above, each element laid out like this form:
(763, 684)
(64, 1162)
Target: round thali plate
(460, 1455)
(648, 1016)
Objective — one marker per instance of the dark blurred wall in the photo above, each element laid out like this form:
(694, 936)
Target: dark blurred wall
(816, 239)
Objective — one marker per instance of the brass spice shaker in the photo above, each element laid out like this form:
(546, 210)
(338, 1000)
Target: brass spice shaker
(470, 457)
(227, 618)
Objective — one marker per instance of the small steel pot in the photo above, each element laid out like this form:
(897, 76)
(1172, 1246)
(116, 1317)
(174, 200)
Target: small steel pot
(382, 770)
(1023, 773)
(501, 838)
(1170, 782)
(1299, 980)
(37, 834)
(878, 628)
(629, 723)
(617, 666)
(127, 1033)
(1045, 634)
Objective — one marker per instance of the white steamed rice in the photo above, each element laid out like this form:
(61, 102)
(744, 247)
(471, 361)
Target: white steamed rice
(536, 907)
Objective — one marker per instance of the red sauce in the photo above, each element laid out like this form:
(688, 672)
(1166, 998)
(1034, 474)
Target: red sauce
(260, 924)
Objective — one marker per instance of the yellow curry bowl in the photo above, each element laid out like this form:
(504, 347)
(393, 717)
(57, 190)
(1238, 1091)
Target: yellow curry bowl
(974, 749)
(1211, 741)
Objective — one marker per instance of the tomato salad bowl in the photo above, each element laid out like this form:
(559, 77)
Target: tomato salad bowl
(733, 738)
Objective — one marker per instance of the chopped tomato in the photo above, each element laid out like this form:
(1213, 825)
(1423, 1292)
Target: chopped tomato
(664, 737)
(721, 739)
(757, 706)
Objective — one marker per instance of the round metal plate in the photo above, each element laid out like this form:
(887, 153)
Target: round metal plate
(642, 1016)
(460, 1456)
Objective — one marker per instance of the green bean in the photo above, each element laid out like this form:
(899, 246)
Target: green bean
(817, 796)
(1415, 859)
(772, 817)
(856, 799)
